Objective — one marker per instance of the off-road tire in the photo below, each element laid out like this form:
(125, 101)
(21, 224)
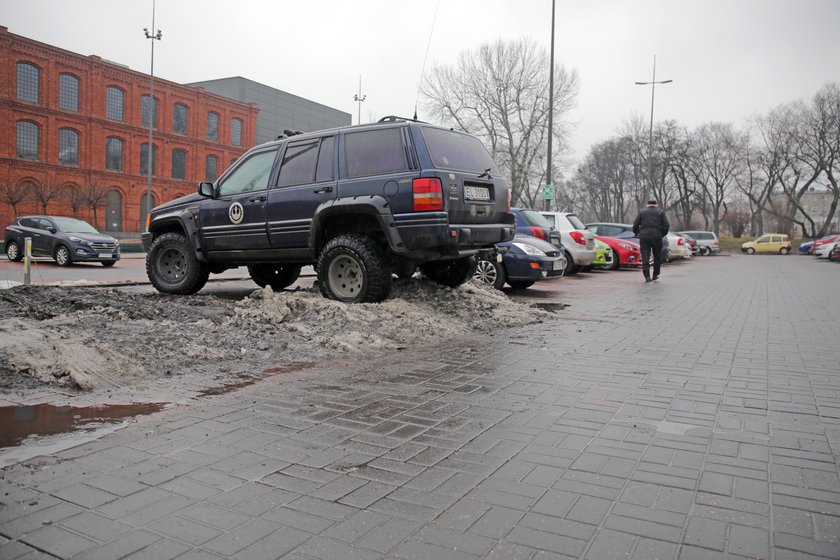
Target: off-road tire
(172, 266)
(491, 273)
(107, 264)
(521, 284)
(452, 272)
(274, 275)
(62, 256)
(13, 252)
(353, 269)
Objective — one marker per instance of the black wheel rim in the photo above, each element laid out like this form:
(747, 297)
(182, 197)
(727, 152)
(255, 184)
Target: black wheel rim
(171, 265)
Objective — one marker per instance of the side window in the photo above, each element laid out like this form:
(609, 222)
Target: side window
(762, 240)
(251, 175)
(777, 239)
(28, 223)
(325, 160)
(374, 152)
(550, 218)
(298, 167)
(44, 224)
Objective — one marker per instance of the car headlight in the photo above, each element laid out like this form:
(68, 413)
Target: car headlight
(80, 240)
(529, 249)
(626, 246)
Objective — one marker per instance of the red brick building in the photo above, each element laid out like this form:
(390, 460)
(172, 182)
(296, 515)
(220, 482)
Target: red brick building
(75, 136)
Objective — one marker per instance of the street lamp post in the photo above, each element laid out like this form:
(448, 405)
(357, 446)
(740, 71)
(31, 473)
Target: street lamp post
(152, 109)
(359, 97)
(549, 187)
(652, 85)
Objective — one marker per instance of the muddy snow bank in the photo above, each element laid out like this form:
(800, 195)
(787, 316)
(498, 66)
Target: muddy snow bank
(106, 338)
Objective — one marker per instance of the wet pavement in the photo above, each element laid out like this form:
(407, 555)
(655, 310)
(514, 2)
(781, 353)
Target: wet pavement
(693, 417)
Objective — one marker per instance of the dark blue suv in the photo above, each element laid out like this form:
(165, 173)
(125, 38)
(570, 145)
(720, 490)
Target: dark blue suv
(358, 203)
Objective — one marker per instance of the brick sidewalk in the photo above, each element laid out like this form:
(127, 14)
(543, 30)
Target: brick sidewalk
(562, 440)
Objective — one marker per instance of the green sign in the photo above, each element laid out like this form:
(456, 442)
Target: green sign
(548, 192)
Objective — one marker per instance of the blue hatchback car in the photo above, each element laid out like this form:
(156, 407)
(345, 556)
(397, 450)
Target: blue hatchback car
(525, 260)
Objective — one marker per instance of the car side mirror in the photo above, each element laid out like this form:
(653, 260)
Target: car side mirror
(206, 189)
(52, 230)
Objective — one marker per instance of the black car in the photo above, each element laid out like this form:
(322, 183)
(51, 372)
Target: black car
(358, 203)
(66, 240)
(525, 260)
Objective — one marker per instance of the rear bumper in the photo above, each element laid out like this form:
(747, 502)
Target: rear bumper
(432, 233)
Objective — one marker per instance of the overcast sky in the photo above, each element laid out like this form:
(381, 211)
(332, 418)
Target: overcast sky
(729, 59)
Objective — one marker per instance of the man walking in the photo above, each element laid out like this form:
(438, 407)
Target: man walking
(650, 227)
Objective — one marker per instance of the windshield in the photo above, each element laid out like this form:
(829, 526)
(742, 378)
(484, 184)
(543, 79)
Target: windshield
(72, 225)
(458, 151)
(575, 221)
(535, 219)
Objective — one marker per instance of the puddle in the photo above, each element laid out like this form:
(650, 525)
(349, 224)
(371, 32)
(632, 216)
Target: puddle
(17, 423)
(251, 379)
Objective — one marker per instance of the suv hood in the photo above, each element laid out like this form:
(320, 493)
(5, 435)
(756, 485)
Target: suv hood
(181, 201)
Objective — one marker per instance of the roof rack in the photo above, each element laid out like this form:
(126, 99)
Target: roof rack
(393, 118)
(287, 133)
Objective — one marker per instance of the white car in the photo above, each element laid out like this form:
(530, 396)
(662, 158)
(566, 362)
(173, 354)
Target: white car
(823, 250)
(678, 248)
(578, 241)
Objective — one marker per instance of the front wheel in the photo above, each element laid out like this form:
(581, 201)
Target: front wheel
(521, 285)
(172, 266)
(452, 273)
(107, 264)
(62, 256)
(570, 265)
(784, 251)
(751, 251)
(278, 277)
(491, 273)
(13, 252)
(616, 264)
(352, 269)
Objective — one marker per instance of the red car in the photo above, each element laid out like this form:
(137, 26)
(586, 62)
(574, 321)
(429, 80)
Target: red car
(820, 242)
(625, 253)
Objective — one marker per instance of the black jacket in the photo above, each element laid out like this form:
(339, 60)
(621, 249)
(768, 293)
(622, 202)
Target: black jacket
(651, 222)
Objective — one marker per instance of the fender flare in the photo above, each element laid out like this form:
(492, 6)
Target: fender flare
(375, 206)
(187, 221)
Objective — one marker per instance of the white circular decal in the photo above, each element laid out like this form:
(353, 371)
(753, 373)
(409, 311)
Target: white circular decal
(236, 213)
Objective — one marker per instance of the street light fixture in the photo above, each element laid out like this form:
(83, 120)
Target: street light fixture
(359, 97)
(152, 110)
(652, 85)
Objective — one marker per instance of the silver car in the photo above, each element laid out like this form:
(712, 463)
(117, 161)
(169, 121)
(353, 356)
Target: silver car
(578, 241)
(707, 241)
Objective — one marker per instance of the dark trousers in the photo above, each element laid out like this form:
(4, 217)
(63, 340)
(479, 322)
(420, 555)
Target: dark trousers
(649, 244)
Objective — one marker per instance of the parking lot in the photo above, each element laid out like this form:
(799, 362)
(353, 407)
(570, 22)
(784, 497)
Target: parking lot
(692, 417)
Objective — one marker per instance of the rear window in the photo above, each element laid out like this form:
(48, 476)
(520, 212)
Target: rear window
(458, 151)
(535, 218)
(575, 221)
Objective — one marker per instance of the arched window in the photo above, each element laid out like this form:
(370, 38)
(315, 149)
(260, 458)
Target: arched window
(114, 103)
(113, 210)
(68, 146)
(28, 140)
(28, 82)
(144, 159)
(211, 168)
(179, 164)
(148, 108)
(180, 118)
(68, 92)
(114, 153)
(213, 126)
(236, 132)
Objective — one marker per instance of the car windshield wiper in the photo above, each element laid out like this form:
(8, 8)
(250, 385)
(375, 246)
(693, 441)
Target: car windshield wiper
(486, 173)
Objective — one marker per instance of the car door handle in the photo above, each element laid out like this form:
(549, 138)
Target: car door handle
(323, 190)
(257, 199)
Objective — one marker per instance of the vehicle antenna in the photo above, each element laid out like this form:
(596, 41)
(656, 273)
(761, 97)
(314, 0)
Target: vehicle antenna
(423, 71)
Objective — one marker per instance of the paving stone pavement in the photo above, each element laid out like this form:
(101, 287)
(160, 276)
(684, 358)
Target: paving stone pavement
(692, 418)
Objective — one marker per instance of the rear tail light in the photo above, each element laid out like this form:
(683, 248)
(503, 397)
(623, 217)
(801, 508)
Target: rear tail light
(680, 241)
(578, 237)
(508, 200)
(428, 194)
(538, 232)
(716, 242)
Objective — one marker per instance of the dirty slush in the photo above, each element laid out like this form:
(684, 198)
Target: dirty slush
(107, 340)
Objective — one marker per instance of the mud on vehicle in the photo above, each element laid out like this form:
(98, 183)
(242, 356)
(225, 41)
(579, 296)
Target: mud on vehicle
(359, 203)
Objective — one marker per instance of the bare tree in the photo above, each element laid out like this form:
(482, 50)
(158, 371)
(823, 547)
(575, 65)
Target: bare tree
(499, 93)
(45, 193)
(94, 198)
(73, 197)
(717, 152)
(15, 194)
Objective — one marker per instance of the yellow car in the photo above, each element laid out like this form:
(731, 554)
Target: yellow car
(768, 243)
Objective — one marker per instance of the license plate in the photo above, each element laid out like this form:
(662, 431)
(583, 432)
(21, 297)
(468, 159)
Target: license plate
(557, 265)
(477, 193)
(105, 255)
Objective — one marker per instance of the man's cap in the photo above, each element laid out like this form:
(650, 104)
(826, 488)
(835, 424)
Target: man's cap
(652, 201)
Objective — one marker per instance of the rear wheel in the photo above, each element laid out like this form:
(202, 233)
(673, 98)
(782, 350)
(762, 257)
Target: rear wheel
(784, 250)
(13, 252)
(62, 256)
(521, 285)
(352, 269)
(705, 251)
(276, 276)
(172, 266)
(452, 272)
(491, 273)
